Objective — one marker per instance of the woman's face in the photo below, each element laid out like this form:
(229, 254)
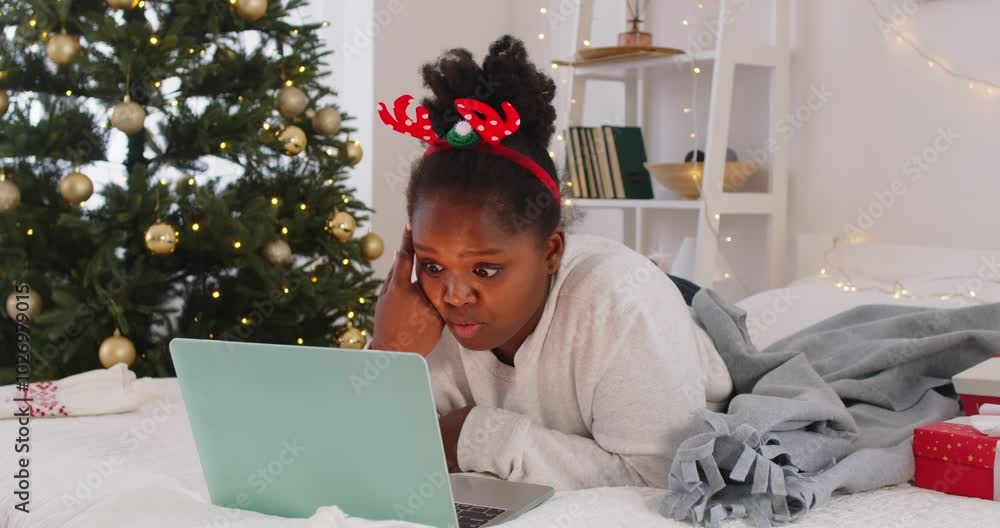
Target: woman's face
(486, 284)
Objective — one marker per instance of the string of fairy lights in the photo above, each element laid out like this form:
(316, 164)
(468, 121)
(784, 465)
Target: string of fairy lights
(839, 277)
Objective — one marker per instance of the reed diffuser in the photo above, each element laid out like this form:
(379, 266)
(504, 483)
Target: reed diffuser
(634, 38)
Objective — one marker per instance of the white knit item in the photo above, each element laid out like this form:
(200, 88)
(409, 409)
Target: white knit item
(101, 391)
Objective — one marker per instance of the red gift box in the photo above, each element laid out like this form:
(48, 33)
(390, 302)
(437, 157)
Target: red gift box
(978, 385)
(955, 458)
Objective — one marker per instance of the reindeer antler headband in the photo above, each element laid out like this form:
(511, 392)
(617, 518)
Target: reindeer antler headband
(482, 129)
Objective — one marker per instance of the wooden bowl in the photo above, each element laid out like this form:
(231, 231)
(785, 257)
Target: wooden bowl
(685, 178)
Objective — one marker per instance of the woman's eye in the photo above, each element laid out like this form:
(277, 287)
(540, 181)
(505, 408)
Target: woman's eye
(485, 272)
(430, 267)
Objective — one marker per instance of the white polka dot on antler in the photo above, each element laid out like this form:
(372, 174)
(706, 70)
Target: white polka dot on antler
(408, 122)
(518, 122)
(427, 127)
(460, 105)
(427, 138)
(494, 138)
(507, 132)
(425, 116)
(493, 122)
(381, 106)
(480, 128)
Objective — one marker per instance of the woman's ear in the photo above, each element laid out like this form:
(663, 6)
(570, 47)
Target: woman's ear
(555, 245)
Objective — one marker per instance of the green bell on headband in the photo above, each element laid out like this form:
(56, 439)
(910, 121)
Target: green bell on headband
(462, 136)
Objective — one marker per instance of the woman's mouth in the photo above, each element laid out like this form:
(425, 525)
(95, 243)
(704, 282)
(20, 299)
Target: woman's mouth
(465, 330)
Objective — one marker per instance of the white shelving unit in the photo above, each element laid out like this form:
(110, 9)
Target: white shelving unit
(738, 43)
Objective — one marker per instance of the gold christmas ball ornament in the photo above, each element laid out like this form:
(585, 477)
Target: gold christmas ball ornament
(278, 253)
(341, 226)
(62, 48)
(76, 188)
(116, 349)
(10, 195)
(327, 122)
(129, 117)
(30, 303)
(351, 152)
(251, 10)
(293, 139)
(122, 4)
(4, 103)
(351, 338)
(371, 247)
(292, 102)
(161, 238)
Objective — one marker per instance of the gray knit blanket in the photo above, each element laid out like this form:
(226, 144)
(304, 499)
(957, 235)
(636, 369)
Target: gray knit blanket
(830, 409)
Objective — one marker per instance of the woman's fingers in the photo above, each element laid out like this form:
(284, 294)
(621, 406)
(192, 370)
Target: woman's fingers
(402, 268)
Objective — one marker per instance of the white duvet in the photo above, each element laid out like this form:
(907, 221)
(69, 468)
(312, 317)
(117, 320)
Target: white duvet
(141, 469)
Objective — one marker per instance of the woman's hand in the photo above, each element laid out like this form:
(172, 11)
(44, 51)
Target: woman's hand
(405, 320)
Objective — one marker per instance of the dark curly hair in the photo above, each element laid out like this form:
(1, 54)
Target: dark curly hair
(482, 179)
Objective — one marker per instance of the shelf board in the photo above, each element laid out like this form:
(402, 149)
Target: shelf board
(731, 203)
(616, 69)
(601, 203)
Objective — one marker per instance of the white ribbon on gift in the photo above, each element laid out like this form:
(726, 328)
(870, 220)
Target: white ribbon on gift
(988, 420)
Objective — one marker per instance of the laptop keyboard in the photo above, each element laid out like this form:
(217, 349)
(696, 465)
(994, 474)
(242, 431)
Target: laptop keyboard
(470, 516)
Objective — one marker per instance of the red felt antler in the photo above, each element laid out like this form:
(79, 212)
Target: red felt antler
(400, 122)
(491, 127)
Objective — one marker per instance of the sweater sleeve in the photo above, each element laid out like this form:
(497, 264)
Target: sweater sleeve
(642, 405)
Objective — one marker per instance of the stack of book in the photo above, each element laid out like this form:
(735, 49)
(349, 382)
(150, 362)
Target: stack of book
(608, 162)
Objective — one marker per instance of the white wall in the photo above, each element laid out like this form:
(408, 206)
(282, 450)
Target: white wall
(887, 107)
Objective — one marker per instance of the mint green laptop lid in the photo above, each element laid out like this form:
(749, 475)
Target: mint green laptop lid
(284, 430)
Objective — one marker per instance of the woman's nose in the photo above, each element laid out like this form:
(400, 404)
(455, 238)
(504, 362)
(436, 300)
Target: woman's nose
(458, 293)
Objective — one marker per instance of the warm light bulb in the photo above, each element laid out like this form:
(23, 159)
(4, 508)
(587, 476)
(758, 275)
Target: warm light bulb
(191, 181)
(216, 294)
(157, 84)
(930, 64)
(154, 40)
(543, 10)
(163, 181)
(302, 206)
(274, 201)
(30, 231)
(555, 66)
(541, 36)
(314, 279)
(972, 293)
(568, 202)
(693, 135)
(237, 244)
(266, 126)
(245, 320)
(289, 82)
(685, 22)
(284, 230)
(346, 261)
(822, 271)
(285, 289)
(586, 43)
(350, 315)
(302, 69)
(726, 275)
(717, 216)
(687, 110)
(361, 300)
(729, 239)
(696, 69)
(32, 22)
(69, 93)
(223, 145)
(552, 153)
(300, 341)
(195, 227)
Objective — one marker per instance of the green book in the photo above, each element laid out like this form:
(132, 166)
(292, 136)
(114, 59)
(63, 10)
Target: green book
(595, 174)
(631, 152)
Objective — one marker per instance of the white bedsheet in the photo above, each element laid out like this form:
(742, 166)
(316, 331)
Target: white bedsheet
(142, 469)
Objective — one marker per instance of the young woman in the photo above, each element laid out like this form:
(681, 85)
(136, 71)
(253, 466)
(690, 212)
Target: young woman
(559, 359)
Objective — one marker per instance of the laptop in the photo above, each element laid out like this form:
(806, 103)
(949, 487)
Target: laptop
(286, 429)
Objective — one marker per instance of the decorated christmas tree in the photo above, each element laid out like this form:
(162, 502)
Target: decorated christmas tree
(225, 212)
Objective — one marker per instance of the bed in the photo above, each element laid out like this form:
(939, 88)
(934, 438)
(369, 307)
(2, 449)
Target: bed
(142, 469)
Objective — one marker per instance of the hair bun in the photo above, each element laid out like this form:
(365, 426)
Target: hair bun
(507, 74)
